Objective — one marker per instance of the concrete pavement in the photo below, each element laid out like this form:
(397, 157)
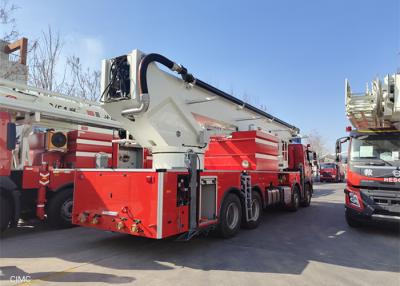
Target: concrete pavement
(311, 247)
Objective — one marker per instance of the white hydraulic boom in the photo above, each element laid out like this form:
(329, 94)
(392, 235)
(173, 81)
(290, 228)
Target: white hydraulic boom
(172, 115)
(36, 106)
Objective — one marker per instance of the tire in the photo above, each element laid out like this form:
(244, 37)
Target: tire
(307, 196)
(59, 211)
(230, 216)
(351, 221)
(5, 213)
(257, 208)
(295, 204)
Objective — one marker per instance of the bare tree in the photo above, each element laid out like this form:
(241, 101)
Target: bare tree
(7, 21)
(85, 83)
(317, 142)
(43, 63)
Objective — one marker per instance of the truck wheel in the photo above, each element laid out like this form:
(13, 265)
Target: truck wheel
(6, 213)
(230, 216)
(257, 211)
(351, 221)
(307, 196)
(294, 205)
(59, 211)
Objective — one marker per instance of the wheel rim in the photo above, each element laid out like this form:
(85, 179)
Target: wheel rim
(256, 209)
(66, 210)
(232, 215)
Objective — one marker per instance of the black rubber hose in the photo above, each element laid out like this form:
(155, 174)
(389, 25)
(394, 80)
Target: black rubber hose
(144, 65)
(187, 77)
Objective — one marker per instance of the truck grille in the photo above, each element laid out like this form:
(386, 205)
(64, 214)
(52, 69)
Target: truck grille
(383, 201)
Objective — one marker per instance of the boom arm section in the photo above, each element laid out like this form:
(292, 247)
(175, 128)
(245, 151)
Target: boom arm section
(172, 114)
(34, 105)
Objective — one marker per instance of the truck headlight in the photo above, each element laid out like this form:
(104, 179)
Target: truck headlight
(353, 198)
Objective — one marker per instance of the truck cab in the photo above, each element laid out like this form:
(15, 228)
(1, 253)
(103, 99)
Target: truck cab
(330, 172)
(373, 181)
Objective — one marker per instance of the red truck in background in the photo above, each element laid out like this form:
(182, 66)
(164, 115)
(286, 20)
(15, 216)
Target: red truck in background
(43, 186)
(331, 172)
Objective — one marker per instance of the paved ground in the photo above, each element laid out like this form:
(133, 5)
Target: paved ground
(311, 247)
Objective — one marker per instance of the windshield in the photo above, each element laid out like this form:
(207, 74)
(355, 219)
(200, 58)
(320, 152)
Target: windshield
(328, 166)
(376, 150)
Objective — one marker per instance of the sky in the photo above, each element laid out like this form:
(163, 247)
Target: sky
(290, 56)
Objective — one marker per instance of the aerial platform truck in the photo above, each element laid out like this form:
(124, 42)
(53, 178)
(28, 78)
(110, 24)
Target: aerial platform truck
(45, 136)
(217, 161)
(372, 191)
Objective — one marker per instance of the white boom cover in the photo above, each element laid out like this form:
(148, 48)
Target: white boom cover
(181, 114)
(45, 108)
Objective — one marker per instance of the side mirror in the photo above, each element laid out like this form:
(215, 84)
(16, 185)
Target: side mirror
(11, 136)
(315, 156)
(338, 150)
(338, 147)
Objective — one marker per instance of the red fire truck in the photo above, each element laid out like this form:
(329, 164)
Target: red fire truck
(373, 174)
(217, 161)
(44, 137)
(331, 172)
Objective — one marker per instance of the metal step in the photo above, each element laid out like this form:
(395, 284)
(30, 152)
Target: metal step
(248, 200)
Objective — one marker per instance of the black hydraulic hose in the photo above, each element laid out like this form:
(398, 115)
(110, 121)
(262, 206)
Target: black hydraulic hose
(164, 61)
(219, 92)
(187, 77)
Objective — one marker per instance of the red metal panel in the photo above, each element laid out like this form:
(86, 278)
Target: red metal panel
(76, 160)
(30, 178)
(59, 178)
(234, 162)
(175, 218)
(132, 196)
(90, 146)
(253, 134)
(73, 135)
(228, 153)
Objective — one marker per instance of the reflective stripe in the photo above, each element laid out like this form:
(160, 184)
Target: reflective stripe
(160, 195)
(89, 154)
(93, 142)
(266, 142)
(264, 156)
(110, 213)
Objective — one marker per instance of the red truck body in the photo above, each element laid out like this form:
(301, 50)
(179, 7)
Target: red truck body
(45, 190)
(155, 203)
